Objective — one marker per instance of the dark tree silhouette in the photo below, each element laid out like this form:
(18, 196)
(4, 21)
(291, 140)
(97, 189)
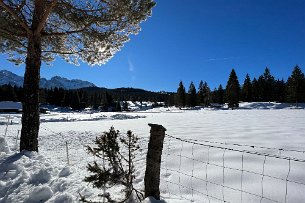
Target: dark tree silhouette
(181, 95)
(232, 90)
(296, 86)
(246, 91)
(192, 96)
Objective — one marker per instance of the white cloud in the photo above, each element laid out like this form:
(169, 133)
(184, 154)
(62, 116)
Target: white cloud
(220, 59)
(130, 66)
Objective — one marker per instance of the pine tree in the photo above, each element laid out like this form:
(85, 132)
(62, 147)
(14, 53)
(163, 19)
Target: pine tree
(296, 86)
(117, 153)
(88, 31)
(219, 95)
(107, 101)
(10, 94)
(181, 95)
(192, 96)
(256, 96)
(280, 91)
(200, 93)
(67, 99)
(75, 102)
(232, 90)
(125, 106)
(266, 84)
(118, 107)
(206, 94)
(247, 90)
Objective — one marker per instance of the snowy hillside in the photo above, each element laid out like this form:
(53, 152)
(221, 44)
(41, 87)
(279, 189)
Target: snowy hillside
(7, 77)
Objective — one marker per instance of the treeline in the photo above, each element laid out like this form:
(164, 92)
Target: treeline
(96, 98)
(265, 88)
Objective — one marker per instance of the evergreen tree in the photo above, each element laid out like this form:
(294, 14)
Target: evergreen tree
(125, 106)
(88, 31)
(266, 84)
(180, 97)
(118, 107)
(232, 90)
(192, 96)
(67, 99)
(117, 170)
(107, 101)
(219, 95)
(213, 96)
(10, 94)
(256, 96)
(206, 94)
(296, 86)
(246, 91)
(200, 93)
(170, 100)
(280, 91)
(75, 102)
(95, 101)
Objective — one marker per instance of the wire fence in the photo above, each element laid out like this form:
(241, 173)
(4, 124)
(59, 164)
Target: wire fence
(67, 147)
(193, 170)
(206, 171)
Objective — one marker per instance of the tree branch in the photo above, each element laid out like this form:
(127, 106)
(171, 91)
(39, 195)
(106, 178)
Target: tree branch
(11, 11)
(45, 17)
(63, 53)
(10, 37)
(68, 32)
(73, 31)
(79, 9)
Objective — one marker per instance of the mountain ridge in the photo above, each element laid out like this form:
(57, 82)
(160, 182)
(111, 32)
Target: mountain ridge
(7, 77)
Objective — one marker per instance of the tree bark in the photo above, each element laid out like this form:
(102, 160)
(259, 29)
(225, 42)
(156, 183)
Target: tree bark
(30, 104)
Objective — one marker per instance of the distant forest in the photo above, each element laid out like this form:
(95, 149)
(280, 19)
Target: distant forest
(265, 88)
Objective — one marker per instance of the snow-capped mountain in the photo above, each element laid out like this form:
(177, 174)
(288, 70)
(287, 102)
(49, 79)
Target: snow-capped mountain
(7, 77)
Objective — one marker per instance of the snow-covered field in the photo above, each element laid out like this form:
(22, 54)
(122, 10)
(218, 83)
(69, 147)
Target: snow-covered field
(201, 170)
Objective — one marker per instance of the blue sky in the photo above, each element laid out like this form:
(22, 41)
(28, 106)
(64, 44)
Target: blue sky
(193, 40)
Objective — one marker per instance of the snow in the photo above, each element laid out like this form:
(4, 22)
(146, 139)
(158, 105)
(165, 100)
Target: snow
(47, 177)
(153, 200)
(7, 77)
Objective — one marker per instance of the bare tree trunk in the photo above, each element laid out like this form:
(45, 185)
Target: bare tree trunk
(30, 105)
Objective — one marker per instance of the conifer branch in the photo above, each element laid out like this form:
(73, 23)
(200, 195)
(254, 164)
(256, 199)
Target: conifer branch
(20, 21)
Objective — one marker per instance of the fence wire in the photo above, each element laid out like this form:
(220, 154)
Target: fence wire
(204, 171)
(64, 148)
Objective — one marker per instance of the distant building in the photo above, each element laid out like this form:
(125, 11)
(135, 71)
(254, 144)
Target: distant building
(216, 105)
(15, 107)
(10, 106)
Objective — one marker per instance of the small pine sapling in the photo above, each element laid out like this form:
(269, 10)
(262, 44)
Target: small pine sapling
(117, 153)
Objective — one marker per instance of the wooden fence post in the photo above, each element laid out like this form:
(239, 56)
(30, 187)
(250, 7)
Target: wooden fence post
(67, 152)
(153, 161)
